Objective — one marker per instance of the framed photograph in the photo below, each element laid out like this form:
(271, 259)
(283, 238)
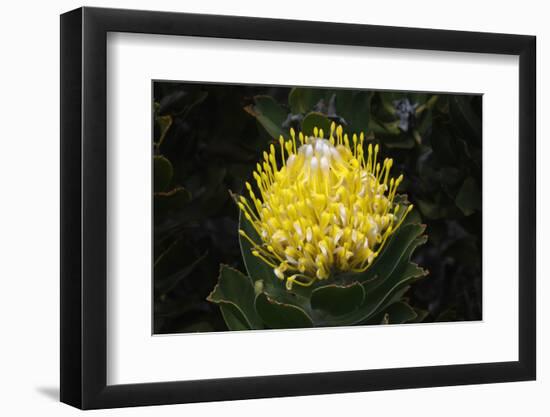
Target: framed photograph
(256, 208)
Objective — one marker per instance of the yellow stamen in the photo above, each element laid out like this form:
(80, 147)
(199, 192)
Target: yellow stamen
(328, 208)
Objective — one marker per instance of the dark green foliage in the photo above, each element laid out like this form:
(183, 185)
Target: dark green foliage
(235, 293)
(338, 299)
(207, 140)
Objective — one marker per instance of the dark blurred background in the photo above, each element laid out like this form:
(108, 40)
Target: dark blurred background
(208, 138)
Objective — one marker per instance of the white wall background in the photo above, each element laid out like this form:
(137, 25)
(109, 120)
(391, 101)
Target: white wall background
(29, 226)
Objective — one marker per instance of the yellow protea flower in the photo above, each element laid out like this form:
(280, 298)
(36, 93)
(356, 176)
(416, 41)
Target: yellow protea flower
(322, 206)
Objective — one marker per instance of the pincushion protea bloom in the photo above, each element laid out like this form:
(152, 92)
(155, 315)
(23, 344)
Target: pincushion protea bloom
(322, 206)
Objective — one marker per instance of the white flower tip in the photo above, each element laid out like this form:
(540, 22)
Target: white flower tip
(314, 163)
(324, 164)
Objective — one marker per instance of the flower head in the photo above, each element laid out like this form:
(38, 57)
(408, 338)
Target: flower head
(322, 206)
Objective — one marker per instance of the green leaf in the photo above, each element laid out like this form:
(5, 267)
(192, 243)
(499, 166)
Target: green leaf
(302, 100)
(396, 313)
(269, 114)
(317, 120)
(444, 145)
(237, 291)
(395, 297)
(405, 275)
(175, 199)
(197, 99)
(338, 299)
(425, 122)
(180, 102)
(167, 284)
(387, 99)
(361, 112)
(431, 210)
(354, 107)
(173, 103)
(402, 141)
(233, 317)
(173, 258)
(163, 171)
(379, 128)
(468, 198)
(412, 218)
(164, 123)
(450, 175)
(277, 315)
(466, 119)
(397, 249)
(390, 135)
(438, 207)
(378, 298)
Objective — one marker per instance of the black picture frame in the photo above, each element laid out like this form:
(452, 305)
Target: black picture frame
(84, 207)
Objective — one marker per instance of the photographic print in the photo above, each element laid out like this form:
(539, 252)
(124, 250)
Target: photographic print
(284, 207)
(272, 205)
